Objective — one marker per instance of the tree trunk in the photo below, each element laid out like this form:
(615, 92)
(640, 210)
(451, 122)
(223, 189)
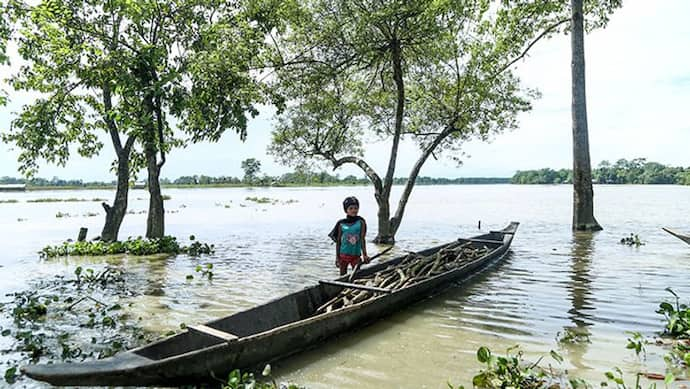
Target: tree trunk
(583, 195)
(388, 226)
(385, 234)
(116, 213)
(155, 223)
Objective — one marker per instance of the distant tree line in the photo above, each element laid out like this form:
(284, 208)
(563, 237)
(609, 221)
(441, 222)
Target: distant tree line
(636, 171)
(297, 178)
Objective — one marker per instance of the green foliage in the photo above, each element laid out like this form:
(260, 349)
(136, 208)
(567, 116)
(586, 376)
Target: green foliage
(69, 200)
(506, 371)
(48, 314)
(441, 65)
(572, 336)
(239, 380)
(677, 318)
(251, 167)
(261, 200)
(11, 375)
(636, 342)
(632, 240)
(9, 201)
(132, 246)
(205, 271)
(636, 171)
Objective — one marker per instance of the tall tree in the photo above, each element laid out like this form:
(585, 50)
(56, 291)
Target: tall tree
(583, 193)
(251, 167)
(127, 68)
(438, 73)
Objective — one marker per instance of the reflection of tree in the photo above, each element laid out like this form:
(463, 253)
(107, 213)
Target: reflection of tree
(579, 290)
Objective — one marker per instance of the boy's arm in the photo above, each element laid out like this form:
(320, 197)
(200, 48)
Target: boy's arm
(337, 246)
(364, 241)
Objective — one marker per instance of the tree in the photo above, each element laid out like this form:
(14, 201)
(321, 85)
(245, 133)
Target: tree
(438, 73)
(583, 193)
(127, 68)
(252, 168)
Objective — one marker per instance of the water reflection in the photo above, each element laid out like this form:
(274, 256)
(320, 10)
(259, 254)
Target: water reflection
(580, 293)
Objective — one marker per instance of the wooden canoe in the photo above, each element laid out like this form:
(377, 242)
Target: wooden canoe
(683, 237)
(265, 333)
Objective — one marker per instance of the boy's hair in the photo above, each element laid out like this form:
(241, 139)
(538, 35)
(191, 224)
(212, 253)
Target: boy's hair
(349, 201)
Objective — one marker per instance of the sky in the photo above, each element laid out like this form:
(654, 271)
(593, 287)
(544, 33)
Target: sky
(638, 99)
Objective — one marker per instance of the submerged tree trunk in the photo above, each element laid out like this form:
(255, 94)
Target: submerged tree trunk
(385, 234)
(583, 194)
(116, 213)
(153, 143)
(155, 223)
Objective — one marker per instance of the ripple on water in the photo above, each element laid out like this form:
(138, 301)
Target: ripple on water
(552, 280)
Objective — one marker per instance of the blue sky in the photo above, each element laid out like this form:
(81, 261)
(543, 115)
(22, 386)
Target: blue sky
(638, 90)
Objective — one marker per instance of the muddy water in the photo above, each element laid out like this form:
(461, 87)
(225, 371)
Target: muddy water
(550, 282)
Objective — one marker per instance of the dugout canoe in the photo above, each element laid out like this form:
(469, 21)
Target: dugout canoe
(265, 333)
(685, 238)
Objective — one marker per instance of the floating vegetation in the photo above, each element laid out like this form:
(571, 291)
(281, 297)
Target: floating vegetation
(632, 240)
(133, 246)
(166, 197)
(205, 270)
(677, 318)
(512, 371)
(266, 200)
(239, 380)
(133, 212)
(9, 201)
(572, 336)
(62, 214)
(636, 342)
(91, 214)
(21, 219)
(54, 317)
(69, 200)
(261, 200)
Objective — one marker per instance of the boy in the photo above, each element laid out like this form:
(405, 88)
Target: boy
(349, 236)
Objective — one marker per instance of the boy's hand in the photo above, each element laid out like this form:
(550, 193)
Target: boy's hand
(366, 258)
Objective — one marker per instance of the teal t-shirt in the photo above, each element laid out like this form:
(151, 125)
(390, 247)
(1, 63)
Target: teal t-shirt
(351, 238)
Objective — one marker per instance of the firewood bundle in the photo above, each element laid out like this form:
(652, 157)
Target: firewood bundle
(411, 270)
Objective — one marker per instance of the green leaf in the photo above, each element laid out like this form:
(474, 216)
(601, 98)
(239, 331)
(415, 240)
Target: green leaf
(483, 355)
(556, 356)
(668, 380)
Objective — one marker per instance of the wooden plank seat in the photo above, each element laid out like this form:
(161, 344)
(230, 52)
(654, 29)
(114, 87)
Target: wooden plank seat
(206, 330)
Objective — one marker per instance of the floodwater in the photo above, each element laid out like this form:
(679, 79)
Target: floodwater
(551, 281)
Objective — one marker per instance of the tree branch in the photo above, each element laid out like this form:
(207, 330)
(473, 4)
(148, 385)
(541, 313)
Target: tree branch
(368, 170)
(537, 39)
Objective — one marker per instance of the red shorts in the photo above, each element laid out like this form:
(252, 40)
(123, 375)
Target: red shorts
(351, 260)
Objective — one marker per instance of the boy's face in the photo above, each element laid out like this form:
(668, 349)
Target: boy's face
(352, 210)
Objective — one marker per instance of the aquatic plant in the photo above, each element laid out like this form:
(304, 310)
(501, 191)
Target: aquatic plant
(238, 380)
(133, 246)
(166, 197)
(205, 270)
(9, 201)
(47, 315)
(69, 200)
(572, 336)
(261, 200)
(636, 342)
(632, 240)
(677, 317)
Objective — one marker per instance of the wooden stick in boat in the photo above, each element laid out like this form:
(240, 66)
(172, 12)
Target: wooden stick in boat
(355, 286)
